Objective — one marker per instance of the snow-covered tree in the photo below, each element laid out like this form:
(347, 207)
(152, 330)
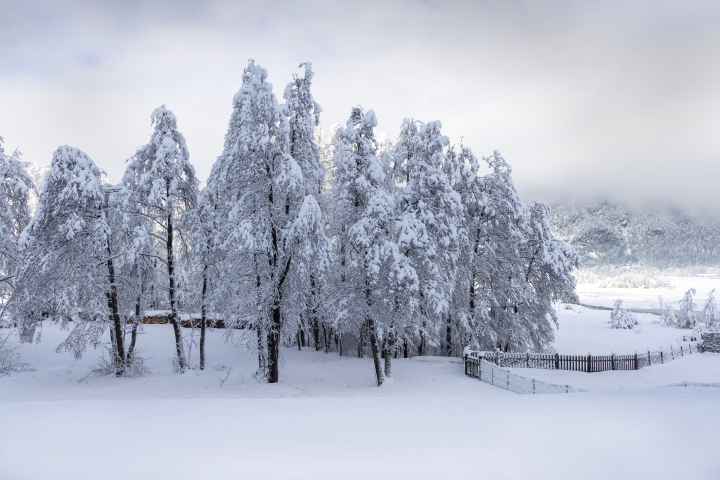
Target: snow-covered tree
(374, 284)
(687, 317)
(269, 227)
(203, 226)
(16, 186)
(711, 312)
(67, 263)
(160, 186)
(549, 263)
(303, 114)
(666, 314)
(621, 318)
(431, 229)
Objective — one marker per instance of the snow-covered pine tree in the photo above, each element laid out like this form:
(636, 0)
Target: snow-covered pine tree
(161, 187)
(621, 318)
(271, 228)
(431, 229)
(374, 286)
(687, 317)
(15, 188)
(711, 312)
(66, 270)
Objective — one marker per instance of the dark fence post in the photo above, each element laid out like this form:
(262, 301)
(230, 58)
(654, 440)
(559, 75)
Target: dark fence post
(466, 364)
(557, 361)
(636, 361)
(662, 360)
(588, 363)
(612, 360)
(649, 358)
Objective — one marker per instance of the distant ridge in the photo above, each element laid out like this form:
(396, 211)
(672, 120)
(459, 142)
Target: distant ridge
(604, 233)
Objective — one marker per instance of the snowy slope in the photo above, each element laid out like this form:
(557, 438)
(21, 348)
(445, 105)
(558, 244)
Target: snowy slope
(327, 420)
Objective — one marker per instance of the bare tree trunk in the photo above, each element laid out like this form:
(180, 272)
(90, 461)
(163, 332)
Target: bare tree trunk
(274, 344)
(361, 340)
(133, 338)
(448, 337)
(118, 327)
(379, 374)
(203, 319)
(325, 338)
(316, 334)
(388, 345)
(179, 347)
(262, 351)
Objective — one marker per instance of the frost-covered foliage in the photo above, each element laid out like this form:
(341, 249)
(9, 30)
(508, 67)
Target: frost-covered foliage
(711, 312)
(270, 227)
(66, 271)
(159, 187)
(10, 357)
(414, 245)
(15, 189)
(430, 229)
(621, 318)
(667, 314)
(374, 284)
(514, 268)
(687, 318)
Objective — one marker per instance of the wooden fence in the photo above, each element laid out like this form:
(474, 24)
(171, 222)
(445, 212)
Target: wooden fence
(584, 363)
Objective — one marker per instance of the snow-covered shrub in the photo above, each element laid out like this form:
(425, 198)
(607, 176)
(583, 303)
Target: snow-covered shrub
(621, 318)
(687, 318)
(711, 312)
(667, 315)
(10, 358)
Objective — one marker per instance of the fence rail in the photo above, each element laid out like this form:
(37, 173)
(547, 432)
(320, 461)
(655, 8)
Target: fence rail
(490, 373)
(583, 363)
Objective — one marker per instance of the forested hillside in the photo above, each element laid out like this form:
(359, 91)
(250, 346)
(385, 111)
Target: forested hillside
(604, 233)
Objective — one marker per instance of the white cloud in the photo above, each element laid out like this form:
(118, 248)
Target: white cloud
(587, 98)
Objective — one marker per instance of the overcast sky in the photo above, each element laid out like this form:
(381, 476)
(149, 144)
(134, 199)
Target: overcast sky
(599, 98)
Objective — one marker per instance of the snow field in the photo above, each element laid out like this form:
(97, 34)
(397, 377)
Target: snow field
(594, 294)
(326, 419)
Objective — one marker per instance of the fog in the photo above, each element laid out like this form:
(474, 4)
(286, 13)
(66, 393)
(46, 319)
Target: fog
(611, 99)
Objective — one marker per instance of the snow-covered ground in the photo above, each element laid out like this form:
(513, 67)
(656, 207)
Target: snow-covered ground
(647, 298)
(327, 420)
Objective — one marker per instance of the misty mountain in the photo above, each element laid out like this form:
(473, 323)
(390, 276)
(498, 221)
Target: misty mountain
(604, 233)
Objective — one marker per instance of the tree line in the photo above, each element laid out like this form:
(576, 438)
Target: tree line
(389, 249)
